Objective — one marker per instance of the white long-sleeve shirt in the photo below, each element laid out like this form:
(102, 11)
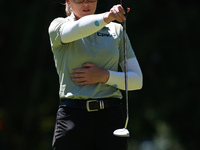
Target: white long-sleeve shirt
(90, 39)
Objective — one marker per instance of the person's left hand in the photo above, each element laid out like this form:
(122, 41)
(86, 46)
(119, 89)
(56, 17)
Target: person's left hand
(90, 74)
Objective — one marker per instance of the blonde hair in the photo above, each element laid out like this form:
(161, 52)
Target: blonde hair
(68, 9)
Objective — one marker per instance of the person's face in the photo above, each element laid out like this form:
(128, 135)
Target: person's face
(82, 9)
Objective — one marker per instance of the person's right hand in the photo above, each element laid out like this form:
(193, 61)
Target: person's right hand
(89, 74)
(116, 13)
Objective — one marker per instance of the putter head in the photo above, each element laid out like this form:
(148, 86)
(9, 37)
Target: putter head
(121, 132)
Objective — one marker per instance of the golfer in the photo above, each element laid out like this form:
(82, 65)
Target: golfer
(88, 49)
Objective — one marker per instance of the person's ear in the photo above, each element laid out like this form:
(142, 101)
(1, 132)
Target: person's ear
(67, 1)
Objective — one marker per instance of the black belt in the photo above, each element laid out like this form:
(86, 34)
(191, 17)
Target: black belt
(91, 105)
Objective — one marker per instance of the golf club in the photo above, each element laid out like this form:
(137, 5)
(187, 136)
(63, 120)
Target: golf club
(124, 131)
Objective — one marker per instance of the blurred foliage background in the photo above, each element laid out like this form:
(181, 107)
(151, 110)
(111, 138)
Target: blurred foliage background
(164, 115)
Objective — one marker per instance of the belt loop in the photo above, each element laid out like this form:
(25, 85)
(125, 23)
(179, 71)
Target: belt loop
(101, 104)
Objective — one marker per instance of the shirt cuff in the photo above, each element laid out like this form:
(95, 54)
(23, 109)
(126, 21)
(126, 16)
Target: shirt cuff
(113, 77)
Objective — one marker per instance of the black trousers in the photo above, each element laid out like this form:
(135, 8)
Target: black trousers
(77, 129)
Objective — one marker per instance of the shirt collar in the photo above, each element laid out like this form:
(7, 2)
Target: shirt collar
(72, 17)
(107, 26)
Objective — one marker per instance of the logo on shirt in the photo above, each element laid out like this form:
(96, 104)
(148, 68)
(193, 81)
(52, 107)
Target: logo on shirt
(96, 23)
(105, 34)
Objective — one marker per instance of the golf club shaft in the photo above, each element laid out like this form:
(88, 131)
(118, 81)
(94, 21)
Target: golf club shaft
(125, 72)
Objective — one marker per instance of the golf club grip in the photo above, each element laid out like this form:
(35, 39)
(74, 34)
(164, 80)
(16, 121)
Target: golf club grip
(124, 5)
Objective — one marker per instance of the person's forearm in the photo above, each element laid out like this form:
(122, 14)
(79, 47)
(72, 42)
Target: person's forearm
(135, 79)
(82, 28)
(117, 80)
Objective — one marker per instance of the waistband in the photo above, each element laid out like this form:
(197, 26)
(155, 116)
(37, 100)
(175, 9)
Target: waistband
(91, 104)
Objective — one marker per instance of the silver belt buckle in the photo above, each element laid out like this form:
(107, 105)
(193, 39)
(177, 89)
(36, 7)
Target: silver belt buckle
(101, 103)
